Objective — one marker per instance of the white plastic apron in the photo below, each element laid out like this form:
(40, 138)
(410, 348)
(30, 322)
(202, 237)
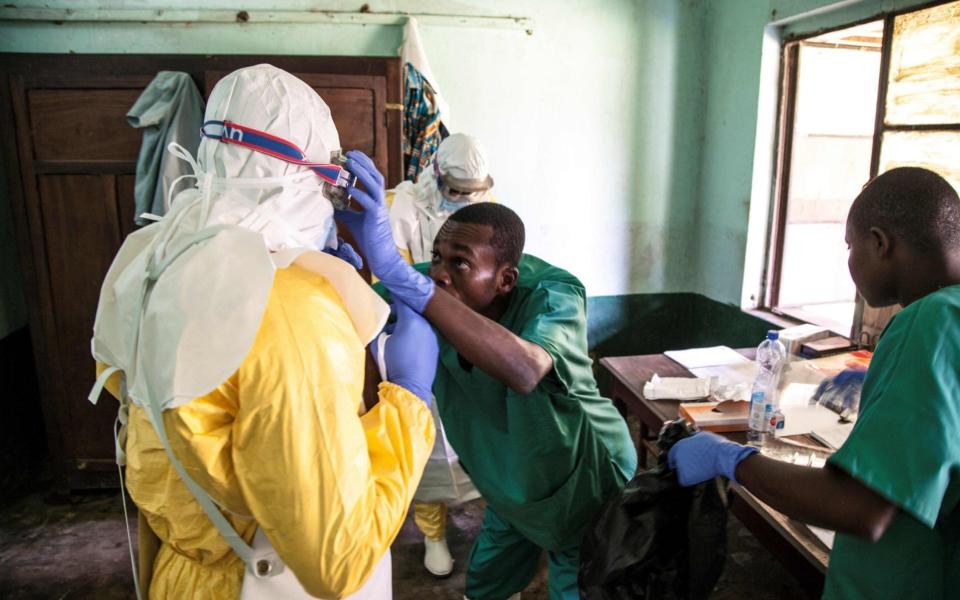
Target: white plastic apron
(416, 219)
(285, 586)
(443, 480)
(179, 310)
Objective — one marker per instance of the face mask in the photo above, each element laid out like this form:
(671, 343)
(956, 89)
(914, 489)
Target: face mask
(453, 200)
(458, 192)
(452, 206)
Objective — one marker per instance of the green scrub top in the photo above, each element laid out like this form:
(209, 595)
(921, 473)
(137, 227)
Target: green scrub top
(545, 461)
(906, 447)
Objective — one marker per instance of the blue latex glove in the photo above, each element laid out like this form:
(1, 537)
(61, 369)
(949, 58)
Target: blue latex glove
(372, 232)
(841, 393)
(705, 455)
(410, 353)
(346, 253)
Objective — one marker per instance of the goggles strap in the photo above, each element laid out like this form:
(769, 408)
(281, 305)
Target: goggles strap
(229, 132)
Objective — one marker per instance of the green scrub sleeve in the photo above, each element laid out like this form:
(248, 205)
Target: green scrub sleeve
(555, 319)
(905, 443)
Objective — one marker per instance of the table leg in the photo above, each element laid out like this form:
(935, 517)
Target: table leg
(642, 446)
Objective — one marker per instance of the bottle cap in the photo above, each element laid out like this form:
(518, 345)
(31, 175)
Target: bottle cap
(773, 335)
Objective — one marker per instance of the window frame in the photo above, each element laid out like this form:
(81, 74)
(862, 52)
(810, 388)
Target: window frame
(771, 277)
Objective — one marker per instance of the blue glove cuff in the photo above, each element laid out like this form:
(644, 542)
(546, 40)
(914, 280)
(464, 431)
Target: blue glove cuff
(731, 456)
(409, 286)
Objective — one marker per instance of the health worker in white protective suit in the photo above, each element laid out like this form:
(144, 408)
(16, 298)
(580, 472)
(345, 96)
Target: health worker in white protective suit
(236, 347)
(459, 177)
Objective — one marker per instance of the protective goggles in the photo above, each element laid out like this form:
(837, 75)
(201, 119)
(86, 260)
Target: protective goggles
(461, 189)
(336, 179)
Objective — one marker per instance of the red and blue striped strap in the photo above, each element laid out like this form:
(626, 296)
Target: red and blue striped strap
(229, 132)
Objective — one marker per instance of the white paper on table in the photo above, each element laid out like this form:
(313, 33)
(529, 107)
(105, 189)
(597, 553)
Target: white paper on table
(797, 394)
(744, 372)
(834, 436)
(706, 357)
(676, 388)
(733, 382)
(825, 535)
(799, 420)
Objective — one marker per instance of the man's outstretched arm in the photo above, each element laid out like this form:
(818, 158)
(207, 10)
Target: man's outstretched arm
(487, 345)
(827, 497)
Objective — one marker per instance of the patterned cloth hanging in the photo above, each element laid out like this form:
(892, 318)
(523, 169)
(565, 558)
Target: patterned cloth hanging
(422, 129)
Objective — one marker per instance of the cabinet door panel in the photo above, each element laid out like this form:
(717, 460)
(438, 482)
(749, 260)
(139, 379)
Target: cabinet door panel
(82, 235)
(352, 111)
(87, 125)
(125, 204)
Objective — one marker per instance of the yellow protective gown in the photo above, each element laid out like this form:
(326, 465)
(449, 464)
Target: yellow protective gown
(280, 445)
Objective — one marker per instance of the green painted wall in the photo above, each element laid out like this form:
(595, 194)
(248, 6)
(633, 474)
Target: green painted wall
(622, 131)
(663, 211)
(731, 84)
(590, 122)
(653, 323)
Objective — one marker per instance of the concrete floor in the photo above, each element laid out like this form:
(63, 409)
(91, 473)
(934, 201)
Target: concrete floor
(74, 547)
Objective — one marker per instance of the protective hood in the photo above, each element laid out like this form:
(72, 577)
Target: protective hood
(183, 300)
(281, 200)
(460, 163)
(420, 209)
(463, 163)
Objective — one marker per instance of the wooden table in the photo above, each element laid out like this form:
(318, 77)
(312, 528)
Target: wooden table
(801, 552)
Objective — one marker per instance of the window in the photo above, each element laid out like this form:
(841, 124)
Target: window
(856, 102)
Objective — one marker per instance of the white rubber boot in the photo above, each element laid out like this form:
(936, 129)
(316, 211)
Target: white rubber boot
(436, 558)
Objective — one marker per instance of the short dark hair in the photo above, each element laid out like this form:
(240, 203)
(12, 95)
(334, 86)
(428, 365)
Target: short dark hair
(914, 204)
(508, 232)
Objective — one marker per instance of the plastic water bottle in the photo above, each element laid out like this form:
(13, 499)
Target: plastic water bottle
(771, 356)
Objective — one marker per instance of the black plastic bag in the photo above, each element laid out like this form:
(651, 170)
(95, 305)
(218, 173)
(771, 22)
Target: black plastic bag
(657, 540)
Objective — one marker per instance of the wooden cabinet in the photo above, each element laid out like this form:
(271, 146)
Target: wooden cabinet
(71, 162)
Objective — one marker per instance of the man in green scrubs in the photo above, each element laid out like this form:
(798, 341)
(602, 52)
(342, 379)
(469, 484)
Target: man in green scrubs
(545, 456)
(519, 403)
(892, 490)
